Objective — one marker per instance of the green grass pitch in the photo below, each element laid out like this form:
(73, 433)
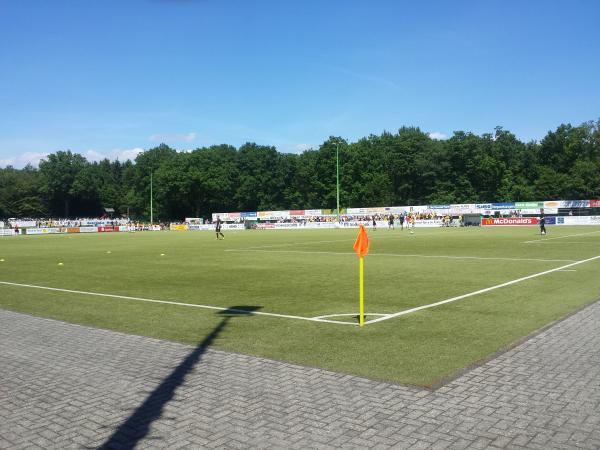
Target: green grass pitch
(309, 274)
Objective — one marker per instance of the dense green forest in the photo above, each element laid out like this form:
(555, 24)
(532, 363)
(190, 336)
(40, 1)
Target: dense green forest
(403, 168)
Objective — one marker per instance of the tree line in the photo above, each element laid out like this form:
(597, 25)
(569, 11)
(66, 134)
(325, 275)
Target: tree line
(403, 168)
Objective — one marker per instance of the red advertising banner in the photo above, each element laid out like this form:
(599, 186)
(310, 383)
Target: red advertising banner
(594, 203)
(106, 229)
(297, 212)
(495, 221)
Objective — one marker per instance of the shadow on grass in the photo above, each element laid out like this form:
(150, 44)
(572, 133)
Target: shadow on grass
(136, 427)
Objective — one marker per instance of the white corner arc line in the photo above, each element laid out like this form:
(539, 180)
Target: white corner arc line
(481, 291)
(349, 314)
(168, 302)
(485, 258)
(537, 241)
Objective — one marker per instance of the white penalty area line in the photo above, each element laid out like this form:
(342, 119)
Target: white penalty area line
(481, 291)
(167, 302)
(401, 255)
(544, 239)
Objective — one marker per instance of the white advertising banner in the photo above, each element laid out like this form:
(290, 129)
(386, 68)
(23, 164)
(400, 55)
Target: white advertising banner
(537, 211)
(230, 226)
(578, 220)
(198, 227)
(23, 223)
(88, 229)
(313, 212)
(428, 223)
(464, 209)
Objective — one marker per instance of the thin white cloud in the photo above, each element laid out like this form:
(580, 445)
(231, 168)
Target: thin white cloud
(22, 160)
(114, 154)
(301, 148)
(438, 136)
(188, 137)
(124, 155)
(34, 158)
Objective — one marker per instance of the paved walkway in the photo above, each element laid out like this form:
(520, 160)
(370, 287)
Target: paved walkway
(68, 386)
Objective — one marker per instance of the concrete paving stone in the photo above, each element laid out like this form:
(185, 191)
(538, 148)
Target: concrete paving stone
(68, 386)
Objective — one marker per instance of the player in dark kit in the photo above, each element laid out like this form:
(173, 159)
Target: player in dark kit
(218, 228)
(542, 224)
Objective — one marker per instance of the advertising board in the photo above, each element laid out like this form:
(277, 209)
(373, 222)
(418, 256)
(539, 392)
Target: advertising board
(230, 226)
(529, 205)
(509, 221)
(574, 204)
(503, 205)
(23, 223)
(578, 220)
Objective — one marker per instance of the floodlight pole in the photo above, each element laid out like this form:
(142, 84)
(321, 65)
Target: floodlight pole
(337, 178)
(151, 211)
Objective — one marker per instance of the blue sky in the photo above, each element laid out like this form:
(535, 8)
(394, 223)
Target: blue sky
(109, 78)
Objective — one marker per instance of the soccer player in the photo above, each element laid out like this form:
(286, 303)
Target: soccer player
(218, 228)
(391, 222)
(542, 224)
(402, 221)
(374, 224)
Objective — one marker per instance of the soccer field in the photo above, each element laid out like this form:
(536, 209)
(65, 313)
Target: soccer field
(436, 301)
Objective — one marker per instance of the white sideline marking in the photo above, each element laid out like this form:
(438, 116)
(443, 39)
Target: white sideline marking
(402, 254)
(481, 291)
(166, 302)
(559, 237)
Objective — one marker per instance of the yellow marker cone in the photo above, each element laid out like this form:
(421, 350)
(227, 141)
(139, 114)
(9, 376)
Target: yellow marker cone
(61, 264)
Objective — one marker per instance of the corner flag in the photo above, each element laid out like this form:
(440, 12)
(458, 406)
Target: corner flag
(361, 247)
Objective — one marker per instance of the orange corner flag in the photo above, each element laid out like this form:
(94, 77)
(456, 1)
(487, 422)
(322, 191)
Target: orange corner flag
(361, 245)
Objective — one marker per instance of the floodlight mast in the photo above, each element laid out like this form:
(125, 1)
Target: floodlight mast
(337, 178)
(151, 211)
